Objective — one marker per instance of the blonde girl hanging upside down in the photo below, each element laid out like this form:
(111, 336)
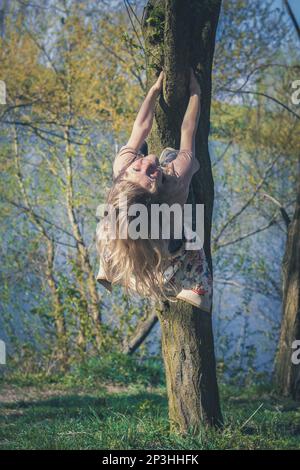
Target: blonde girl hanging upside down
(154, 267)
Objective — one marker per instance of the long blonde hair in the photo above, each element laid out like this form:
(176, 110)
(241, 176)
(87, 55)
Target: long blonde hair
(136, 264)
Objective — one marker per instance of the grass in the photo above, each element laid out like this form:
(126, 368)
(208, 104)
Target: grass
(82, 411)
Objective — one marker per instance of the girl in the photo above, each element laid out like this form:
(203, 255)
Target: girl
(156, 268)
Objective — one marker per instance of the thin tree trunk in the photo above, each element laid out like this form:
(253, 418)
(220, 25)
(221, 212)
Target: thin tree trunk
(287, 373)
(84, 321)
(57, 313)
(92, 299)
(179, 35)
(58, 308)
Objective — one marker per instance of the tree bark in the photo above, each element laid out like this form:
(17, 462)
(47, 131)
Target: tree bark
(287, 373)
(179, 35)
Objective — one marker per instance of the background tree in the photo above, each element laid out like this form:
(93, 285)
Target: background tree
(49, 125)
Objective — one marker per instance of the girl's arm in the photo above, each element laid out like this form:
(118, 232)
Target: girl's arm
(141, 128)
(144, 120)
(186, 164)
(191, 118)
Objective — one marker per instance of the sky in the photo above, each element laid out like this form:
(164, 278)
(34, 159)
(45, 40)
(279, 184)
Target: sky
(295, 5)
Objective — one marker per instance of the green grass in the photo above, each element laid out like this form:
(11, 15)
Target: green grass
(80, 411)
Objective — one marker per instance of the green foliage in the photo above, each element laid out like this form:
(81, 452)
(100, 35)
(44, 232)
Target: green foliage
(118, 368)
(41, 200)
(156, 18)
(114, 367)
(105, 66)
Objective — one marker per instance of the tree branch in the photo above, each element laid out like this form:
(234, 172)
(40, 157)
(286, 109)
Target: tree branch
(283, 211)
(249, 92)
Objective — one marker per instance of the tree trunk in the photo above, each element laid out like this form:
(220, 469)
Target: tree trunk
(85, 323)
(58, 308)
(62, 352)
(93, 301)
(92, 297)
(287, 373)
(179, 35)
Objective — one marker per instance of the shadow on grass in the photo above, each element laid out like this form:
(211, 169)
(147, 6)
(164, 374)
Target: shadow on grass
(73, 406)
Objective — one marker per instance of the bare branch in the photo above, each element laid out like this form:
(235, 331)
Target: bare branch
(273, 221)
(292, 16)
(128, 7)
(27, 209)
(258, 68)
(283, 211)
(215, 163)
(247, 203)
(249, 92)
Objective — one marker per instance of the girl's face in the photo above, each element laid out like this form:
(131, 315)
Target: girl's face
(146, 172)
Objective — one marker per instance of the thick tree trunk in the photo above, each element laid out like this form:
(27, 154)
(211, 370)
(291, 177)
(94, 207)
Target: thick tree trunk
(287, 373)
(179, 35)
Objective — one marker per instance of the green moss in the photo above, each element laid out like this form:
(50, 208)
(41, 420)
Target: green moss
(155, 24)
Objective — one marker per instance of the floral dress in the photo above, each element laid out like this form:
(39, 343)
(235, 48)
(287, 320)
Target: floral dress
(187, 277)
(188, 270)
